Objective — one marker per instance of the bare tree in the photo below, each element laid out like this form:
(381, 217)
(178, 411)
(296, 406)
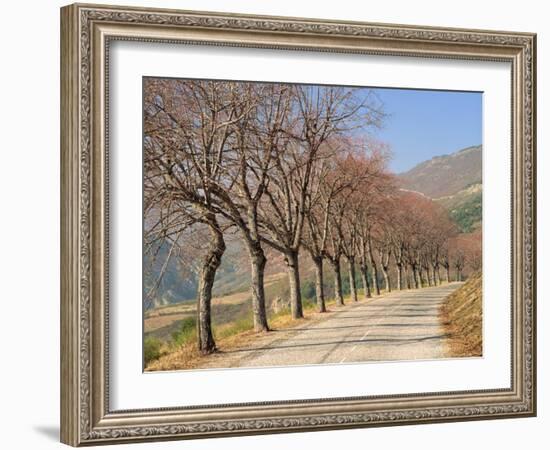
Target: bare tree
(446, 261)
(398, 213)
(384, 251)
(186, 127)
(371, 199)
(374, 266)
(324, 187)
(252, 150)
(319, 114)
(364, 265)
(334, 249)
(459, 261)
(362, 170)
(398, 250)
(333, 176)
(349, 249)
(464, 253)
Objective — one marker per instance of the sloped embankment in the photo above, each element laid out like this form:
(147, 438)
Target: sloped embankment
(462, 316)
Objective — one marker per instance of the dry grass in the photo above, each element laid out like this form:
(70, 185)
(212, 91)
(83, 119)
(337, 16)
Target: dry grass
(185, 357)
(238, 334)
(462, 316)
(228, 337)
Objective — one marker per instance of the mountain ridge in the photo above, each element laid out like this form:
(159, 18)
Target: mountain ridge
(445, 175)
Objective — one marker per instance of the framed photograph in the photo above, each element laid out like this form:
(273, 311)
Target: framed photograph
(276, 224)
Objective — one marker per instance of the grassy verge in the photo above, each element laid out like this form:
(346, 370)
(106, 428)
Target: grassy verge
(462, 316)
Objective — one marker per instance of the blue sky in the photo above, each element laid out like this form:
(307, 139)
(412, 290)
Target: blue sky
(423, 124)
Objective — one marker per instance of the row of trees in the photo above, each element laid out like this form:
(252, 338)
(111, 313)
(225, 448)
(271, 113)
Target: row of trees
(287, 167)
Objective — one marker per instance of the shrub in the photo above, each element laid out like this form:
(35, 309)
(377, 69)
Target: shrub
(151, 349)
(186, 332)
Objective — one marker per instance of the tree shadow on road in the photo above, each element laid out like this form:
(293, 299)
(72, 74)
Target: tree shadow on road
(371, 340)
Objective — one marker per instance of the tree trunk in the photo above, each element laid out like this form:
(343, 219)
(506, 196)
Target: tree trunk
(387, 283)
(351, 274)
(291, 259)
(407, 276)
(437, 277)
(319, 289)
(210, 264)
(399, 270)
(429, 277)
(337, 281)
(447, 274)
(375, 284)
(415, 277)
(365, 281)
(257, 264)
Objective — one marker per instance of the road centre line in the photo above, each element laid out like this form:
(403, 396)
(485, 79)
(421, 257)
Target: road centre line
(369, 330)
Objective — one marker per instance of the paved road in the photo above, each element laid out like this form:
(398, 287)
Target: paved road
(402, 325)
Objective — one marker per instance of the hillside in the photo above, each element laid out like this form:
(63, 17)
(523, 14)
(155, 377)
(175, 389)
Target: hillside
(180, 281)
(445, 175)
(465, 207)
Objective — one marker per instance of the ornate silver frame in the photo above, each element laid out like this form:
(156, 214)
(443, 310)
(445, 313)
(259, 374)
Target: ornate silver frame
(86, 31)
